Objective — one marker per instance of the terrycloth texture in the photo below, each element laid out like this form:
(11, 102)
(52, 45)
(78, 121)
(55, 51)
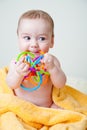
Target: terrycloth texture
(17, 114)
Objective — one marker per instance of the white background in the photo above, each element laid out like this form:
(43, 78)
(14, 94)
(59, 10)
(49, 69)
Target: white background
(70, 18)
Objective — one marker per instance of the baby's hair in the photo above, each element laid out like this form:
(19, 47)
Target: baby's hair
(37, 14)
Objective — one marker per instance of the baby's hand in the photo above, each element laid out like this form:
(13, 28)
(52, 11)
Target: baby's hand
(48, 60)
(22, 68)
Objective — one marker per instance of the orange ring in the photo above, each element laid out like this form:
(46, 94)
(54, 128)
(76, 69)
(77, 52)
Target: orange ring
(45, 80)
(34, 83)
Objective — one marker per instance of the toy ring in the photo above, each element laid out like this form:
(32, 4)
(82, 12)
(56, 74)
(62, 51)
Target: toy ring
(36, 70)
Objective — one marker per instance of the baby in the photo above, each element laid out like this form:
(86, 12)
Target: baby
(36, 33)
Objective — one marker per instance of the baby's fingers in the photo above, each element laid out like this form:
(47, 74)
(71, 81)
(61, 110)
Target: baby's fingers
(21, 60)
(25, 70)
(25, 67)
(22, 68)
(48, 61)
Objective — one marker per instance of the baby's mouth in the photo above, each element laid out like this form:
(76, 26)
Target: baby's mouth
(36, 53)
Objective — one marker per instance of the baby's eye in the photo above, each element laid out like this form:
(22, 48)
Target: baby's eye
(42, 38)
(27, 38)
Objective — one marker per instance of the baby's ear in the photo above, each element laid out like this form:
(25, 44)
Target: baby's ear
(52, 42)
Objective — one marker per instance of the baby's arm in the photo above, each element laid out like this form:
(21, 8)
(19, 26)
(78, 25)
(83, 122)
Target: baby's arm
(57, 76)
(16, 73)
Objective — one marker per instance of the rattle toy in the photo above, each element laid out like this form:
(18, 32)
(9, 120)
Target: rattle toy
(36, 69)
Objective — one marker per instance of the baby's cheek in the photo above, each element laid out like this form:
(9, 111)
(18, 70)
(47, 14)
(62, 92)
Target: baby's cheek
(45, 49)
(23, 47)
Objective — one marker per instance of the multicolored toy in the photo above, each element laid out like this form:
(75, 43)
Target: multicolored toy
(37, 70)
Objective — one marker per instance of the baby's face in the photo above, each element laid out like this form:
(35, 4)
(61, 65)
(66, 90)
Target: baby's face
(35, 35)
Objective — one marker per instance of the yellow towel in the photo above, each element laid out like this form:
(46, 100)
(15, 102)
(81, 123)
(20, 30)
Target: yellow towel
(18, 114)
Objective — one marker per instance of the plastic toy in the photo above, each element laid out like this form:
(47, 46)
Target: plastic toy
(37, 70)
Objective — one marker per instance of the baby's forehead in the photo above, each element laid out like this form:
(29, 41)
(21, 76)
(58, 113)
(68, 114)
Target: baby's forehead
(34, 22)
(35, 25)
(39, 22)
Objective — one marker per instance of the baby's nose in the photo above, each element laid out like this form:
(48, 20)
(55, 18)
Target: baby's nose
(34, 44)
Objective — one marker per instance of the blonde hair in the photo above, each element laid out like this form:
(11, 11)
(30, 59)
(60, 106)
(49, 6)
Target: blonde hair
(37, 14)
